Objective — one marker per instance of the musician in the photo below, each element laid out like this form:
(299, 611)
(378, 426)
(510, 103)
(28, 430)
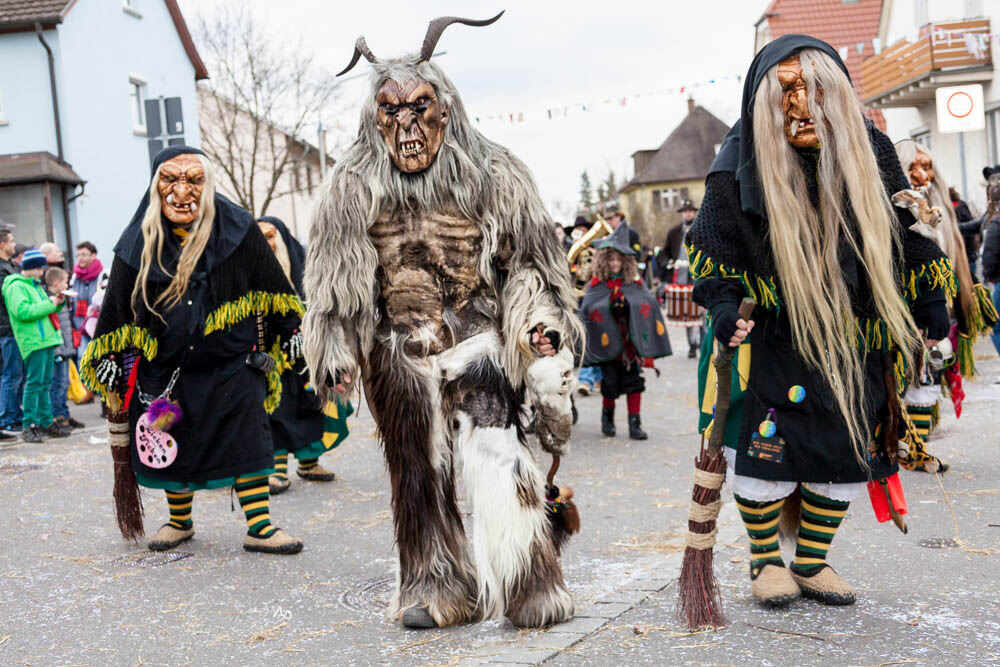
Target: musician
(676, 263)
(625, 329)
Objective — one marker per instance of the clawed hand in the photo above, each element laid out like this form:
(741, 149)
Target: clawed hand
(543, 345)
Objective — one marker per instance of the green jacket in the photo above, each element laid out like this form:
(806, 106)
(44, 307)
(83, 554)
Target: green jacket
(29, 307)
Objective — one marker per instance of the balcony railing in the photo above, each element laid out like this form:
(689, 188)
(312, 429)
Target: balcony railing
(939, 48)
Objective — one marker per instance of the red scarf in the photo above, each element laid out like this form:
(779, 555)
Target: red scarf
(90, 273)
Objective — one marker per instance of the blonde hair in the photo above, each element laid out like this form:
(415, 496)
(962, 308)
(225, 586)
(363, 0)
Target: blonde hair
(949, 236)
(805, 240)
(153, 235)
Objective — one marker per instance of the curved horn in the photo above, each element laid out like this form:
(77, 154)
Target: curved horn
(437, 27)
(360, 49)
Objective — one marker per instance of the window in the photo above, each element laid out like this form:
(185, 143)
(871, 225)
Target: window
(993, 135)
(922, 136)
(3, 112)
(131, 7)
(136, 100)
(309, 178)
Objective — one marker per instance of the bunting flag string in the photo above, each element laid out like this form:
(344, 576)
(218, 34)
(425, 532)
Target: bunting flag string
(617, 101)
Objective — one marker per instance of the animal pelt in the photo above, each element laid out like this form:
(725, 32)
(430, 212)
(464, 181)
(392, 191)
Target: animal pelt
(550, 383)
(520, 259)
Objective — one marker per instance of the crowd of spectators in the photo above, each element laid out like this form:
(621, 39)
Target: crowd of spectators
(47, 316)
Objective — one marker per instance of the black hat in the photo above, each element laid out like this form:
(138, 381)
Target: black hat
(580, 222)
(989, 171)
(618, 241)
(687, 205)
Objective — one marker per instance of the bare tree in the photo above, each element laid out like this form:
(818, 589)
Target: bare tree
(263, 95)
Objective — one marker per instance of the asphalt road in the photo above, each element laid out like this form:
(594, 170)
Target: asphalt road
(73, 593)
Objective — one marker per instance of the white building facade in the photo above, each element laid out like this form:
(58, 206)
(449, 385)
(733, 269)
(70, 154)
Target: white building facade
(939, 43)
(109, 57)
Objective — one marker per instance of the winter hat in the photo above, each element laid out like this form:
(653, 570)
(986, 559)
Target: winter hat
(33, 259)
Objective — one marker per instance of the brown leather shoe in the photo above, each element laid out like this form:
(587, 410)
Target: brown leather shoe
(279, 542)
(316, 474)
(168, 537)
(773, 585)
(825, 586)
(278, 485)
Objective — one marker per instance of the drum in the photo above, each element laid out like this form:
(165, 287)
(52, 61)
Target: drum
(682, 311)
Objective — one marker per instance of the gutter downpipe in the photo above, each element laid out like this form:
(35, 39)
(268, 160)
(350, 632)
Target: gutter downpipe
(55, 117)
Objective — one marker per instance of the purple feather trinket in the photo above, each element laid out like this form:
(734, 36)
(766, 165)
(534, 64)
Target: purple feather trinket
(163, 414)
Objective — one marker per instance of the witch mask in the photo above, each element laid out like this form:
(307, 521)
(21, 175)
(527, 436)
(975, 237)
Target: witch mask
(412, 122)
(270, 233)
(800, 129)
(921, 171)
(181, 183)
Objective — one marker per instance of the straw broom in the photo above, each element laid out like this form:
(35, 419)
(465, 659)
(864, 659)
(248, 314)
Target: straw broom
(699, 603)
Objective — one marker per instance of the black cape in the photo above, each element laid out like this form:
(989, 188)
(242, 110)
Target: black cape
(297, 423)
(730, 257)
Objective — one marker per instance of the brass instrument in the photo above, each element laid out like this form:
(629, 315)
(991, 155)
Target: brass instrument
(581, 255)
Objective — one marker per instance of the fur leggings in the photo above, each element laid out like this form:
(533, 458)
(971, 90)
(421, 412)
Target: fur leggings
(426, 409)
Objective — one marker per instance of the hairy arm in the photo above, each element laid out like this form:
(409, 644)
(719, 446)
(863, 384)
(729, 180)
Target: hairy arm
(339, 323)
(537, 291)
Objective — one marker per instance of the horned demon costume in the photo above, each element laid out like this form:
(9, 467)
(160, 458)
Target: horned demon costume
(431, 265)
(300, 424)
(797, 216)
(194, 299)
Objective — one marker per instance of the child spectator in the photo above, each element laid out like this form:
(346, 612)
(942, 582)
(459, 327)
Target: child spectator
(29, 307)
(625, 329)
(57, 280)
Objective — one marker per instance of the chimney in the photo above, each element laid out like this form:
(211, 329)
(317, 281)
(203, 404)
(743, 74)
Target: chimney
(690, 104)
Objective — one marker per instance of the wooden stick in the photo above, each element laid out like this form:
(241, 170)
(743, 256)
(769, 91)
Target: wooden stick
(723, 392)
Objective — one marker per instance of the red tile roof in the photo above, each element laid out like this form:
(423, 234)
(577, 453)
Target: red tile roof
(836, 22)
(29, 11)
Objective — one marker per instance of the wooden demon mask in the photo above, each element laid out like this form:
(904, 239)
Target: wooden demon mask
(182, 181)
(412, 122)
(799, 128)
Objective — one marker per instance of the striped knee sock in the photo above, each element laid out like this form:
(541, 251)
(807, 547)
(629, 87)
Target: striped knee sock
(820, 519)
(761, 521)
(281, 465)
(305, 465)
(922, 417)
(180, 509)
(255, 499)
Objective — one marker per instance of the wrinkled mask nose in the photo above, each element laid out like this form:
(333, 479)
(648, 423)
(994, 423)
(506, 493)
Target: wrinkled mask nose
(182, 190)
(405, 117)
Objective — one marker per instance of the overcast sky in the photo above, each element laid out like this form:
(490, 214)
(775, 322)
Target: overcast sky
(543, 55)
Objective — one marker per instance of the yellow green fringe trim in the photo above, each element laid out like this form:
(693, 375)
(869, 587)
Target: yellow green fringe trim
(763, 290)
(986, 312)
(252, 303)
(123, 338)
(934, 275)
(899, 368)
(965, 357)
(273, 399)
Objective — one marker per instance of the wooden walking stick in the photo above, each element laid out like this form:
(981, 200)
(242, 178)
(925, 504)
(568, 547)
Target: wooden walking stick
(699, 603)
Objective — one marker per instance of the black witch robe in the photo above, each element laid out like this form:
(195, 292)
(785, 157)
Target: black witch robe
(730, 257)
(237, 298)
(300, 424)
